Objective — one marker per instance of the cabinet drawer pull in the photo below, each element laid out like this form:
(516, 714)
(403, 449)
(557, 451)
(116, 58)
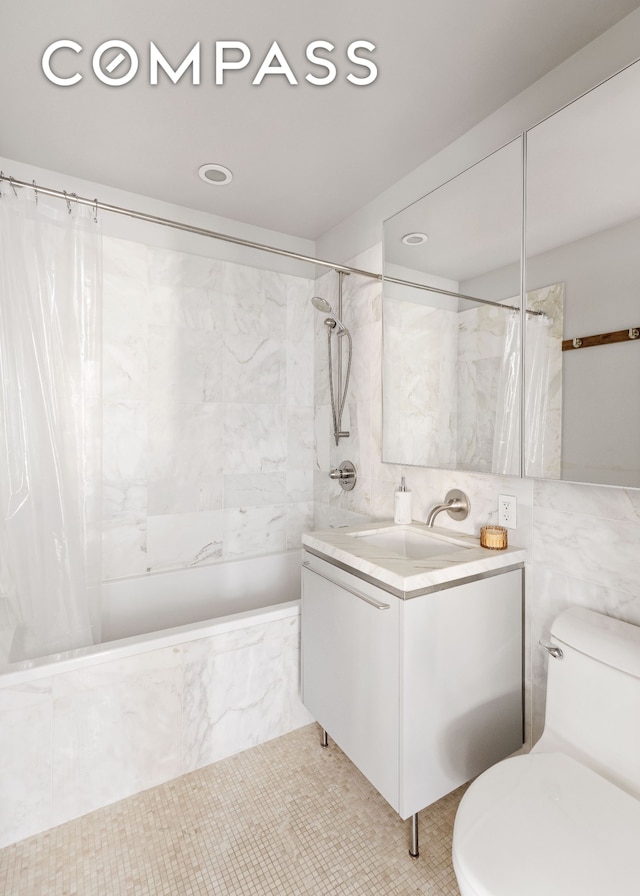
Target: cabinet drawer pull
(368, 600)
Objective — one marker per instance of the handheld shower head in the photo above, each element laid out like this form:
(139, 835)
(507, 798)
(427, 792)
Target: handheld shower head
(339, 394)
(322, 305)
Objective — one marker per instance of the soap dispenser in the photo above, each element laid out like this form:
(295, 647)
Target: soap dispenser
(402, 509)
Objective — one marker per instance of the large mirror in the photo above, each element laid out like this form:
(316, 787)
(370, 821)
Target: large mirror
(583, 264)
(451, 392)
(454, 387)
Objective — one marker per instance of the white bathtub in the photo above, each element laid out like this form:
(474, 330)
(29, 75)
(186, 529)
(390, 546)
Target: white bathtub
(165, 600)
(200, 664)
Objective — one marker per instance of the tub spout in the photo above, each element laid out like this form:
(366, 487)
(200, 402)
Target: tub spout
(456, 504)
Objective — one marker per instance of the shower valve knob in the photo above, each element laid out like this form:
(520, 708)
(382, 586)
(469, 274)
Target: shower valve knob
(345, 474)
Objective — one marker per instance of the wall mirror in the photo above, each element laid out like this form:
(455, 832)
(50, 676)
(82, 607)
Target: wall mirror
(583, 263)
(451, 345)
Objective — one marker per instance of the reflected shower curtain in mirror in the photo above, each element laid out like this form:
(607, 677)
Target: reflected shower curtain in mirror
(537, 363)
(506, 440)
(50, 425)
(506, 445)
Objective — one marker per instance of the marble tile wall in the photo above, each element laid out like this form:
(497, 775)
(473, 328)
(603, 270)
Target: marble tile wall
(584, 552)
(582, 540)
(208, 409)
(362, 314)
(78, 740)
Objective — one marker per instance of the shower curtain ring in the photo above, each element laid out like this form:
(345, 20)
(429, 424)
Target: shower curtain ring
(67, 200)
(35, 189)
(13, 187)
(95, 211)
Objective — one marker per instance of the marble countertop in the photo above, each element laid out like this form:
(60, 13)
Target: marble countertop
(403, 576)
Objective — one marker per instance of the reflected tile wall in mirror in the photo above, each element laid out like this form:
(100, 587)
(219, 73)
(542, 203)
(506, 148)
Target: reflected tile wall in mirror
(443, 354)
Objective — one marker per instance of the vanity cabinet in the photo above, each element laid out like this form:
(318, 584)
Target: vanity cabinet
(422, 694)
(351, 668)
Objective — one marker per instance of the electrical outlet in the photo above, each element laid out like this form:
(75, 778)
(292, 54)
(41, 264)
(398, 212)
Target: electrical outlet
(507, 510)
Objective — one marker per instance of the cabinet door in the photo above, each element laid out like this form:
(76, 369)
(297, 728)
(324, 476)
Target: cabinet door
(462, 685)
(350, 669)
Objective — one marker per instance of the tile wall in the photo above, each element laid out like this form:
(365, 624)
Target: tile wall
(208, 409)
(585, 550)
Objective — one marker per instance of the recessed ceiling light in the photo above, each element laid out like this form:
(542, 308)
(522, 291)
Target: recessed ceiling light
(414, 239)
(217, 175)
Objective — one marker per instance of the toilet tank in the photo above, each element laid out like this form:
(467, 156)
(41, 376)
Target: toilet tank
(593, 695)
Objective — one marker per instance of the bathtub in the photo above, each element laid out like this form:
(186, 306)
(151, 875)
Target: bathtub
(195, 665)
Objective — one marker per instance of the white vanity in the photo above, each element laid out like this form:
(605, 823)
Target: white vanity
(412, 655)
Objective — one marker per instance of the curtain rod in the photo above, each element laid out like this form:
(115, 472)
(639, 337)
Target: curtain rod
(178, 225)
(236, 240)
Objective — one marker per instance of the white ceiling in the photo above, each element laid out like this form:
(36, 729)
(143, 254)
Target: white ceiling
(304, 157)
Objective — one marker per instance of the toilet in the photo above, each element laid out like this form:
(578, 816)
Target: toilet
(565, 818)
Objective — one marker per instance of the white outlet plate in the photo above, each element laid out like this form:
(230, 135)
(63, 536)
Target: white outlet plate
(507, 511)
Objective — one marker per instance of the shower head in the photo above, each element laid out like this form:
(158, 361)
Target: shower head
(322, 305)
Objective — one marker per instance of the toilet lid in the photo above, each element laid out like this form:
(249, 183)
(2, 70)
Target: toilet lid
(545, 824)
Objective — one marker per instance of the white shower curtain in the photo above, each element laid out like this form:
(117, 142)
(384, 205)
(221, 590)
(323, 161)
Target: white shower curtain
(537, 363)
(506, 444)
(50, 425)
(506, 441)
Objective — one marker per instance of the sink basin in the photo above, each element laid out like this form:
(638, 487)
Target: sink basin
(412, 543)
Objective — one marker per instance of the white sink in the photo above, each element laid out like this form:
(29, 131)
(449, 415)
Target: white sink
(410, 542)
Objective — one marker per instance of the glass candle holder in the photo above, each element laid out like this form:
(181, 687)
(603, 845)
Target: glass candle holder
(494, 537)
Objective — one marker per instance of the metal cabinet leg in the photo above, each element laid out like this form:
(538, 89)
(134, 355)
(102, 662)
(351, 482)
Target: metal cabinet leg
(325, 739)
(413, 849)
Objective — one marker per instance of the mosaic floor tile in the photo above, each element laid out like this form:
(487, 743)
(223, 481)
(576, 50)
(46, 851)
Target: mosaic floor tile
(286, 817)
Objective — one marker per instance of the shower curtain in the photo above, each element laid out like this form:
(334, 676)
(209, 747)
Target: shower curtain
(50, 425)
(537, 364)
(506, 444)
(506, 440)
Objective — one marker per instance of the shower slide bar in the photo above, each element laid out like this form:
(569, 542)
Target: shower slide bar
(238, 241)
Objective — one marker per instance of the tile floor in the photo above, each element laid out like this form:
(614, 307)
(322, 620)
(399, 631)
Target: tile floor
(286, 817)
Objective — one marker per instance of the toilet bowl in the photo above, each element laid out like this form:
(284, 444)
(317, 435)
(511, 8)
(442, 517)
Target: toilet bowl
(565, 819)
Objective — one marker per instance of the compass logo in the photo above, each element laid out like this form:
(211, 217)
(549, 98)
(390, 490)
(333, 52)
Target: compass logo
(116, 63)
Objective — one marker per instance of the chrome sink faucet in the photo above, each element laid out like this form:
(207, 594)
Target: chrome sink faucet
(456, 504)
